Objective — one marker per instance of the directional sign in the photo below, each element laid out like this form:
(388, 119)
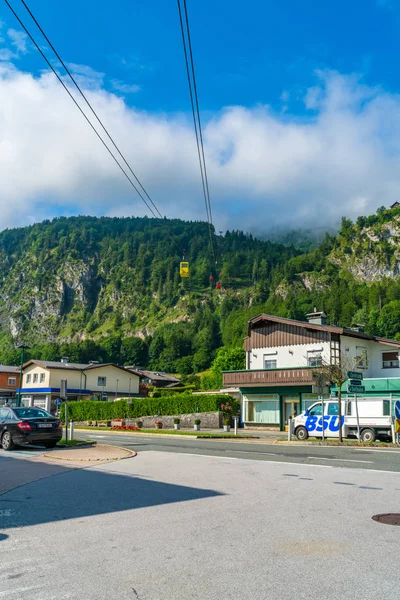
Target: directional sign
(355, 375)
(397, 409)
(356, 389)
(355, 382)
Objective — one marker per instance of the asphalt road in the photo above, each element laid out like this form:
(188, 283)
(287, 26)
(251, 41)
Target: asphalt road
(168, 526)
(359, 458)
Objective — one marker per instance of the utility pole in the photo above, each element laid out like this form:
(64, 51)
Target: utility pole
(22, 347)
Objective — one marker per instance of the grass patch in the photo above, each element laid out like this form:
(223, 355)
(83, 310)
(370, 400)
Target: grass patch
(174, 432)
(63, 442)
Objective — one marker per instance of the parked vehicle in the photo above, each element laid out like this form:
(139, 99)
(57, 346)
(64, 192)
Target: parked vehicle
(374, 419)
(22, 426)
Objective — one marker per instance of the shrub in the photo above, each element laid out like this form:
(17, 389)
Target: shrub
(177, 421)
(180, 404)
(227, 420)
(197, 421)
(176, 390)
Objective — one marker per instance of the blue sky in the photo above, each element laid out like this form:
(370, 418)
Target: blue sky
(245, 54)
(278, 64)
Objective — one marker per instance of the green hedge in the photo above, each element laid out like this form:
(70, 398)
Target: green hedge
(180, 404)
(176, 390)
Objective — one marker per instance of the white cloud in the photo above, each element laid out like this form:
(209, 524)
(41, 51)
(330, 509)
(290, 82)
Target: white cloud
(18, 40)
(124, 88)
(265, 169)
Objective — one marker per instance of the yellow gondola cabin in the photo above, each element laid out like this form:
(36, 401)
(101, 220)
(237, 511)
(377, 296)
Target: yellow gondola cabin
(184, 270)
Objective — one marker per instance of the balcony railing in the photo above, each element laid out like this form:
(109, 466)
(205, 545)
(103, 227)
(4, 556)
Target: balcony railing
(270, 377)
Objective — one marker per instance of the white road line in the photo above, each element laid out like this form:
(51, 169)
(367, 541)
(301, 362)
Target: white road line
(370, 462)
(208, 456)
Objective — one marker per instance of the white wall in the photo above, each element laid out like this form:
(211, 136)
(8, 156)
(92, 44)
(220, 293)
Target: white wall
(74, 381)
(287, 356)
(375, 350)
(112, 374)
(32, 370)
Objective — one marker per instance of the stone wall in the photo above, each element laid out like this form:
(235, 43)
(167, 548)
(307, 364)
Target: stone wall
(209, 420)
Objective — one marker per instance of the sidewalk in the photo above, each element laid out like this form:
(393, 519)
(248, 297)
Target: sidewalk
(100, 452)
(21, 467)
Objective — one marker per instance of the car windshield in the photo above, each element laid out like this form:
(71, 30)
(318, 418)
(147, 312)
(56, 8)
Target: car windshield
(31, 413)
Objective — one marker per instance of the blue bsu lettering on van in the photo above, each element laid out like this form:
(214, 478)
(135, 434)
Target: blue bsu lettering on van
(326, 422)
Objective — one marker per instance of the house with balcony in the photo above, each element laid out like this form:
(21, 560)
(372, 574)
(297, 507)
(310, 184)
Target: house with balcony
(41, 382)
(282, 356)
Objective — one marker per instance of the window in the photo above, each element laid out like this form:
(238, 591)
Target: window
(42, 377)
(262, 411)
(390, 360)
(101, 381)
(270, 364)
(361, 357)
(314, 361)
(315, 411)
(5, 414)
(28, 378)
(333, 409)
(12, 381)
(386, 408)
(35, 377)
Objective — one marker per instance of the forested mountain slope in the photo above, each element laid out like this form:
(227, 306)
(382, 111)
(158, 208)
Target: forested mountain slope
(109, 288)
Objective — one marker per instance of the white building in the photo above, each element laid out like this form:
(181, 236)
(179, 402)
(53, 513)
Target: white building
(41, 382)
(282, 354)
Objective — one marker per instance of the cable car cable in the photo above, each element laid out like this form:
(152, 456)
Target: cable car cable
(157, 216)
(196, 118)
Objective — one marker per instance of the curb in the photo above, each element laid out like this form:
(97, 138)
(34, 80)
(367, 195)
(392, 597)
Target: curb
(330, 445)
(179, 436)
(129, 453)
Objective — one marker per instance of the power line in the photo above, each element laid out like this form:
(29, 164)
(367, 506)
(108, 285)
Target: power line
(191, 76)
(158, 215)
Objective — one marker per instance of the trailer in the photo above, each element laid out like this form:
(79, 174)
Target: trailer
(367, 419)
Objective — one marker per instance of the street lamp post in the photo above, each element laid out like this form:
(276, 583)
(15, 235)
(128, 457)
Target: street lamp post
(22, 347)
(116, 395)
(129, 387)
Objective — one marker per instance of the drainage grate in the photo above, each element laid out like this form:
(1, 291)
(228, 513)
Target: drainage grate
(388, 518)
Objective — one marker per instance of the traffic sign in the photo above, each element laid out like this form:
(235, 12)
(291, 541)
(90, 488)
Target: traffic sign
(397, 426)
(356, 389)
(58, 402)
(397, 409)
(355, 375)
(355, 382)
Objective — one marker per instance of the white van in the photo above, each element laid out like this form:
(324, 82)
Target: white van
(374, 419)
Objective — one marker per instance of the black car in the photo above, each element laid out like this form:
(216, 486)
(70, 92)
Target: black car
(22, 426)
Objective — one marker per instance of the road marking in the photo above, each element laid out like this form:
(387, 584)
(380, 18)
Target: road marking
(370, 462)
(208, 456)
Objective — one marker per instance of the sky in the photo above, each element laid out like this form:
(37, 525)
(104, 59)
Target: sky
(300, 108)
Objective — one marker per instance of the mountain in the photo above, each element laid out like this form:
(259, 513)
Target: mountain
(109, 288)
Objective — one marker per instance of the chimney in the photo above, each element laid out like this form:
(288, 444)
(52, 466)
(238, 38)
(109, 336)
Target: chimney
(316, 317)
(64, 360)
(93, 362)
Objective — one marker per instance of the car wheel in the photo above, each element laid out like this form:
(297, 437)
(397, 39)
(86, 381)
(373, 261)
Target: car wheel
(301, 433)
(50, 444)
(368, 435)
(6, 441)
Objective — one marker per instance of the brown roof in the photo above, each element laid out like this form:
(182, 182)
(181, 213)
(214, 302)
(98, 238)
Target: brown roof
(9, 369)
(263, 318)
